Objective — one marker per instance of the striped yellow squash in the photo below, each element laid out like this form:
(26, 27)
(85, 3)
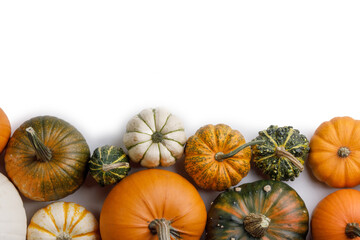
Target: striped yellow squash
(63, 221)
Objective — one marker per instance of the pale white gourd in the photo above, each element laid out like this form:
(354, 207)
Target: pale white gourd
(63, 221)
(12, 212)
(154, 138)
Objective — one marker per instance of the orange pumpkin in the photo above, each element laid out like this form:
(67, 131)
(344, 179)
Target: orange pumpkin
(216, 157)
(153, 204)
(5, 130)
(337, 216)
(335, 152)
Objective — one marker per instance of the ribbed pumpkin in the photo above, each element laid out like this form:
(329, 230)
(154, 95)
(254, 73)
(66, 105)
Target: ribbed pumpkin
(337, 216)
(155, 137)
(5, 130)
(216, 157)
(47, 158)
(108, 165)
(264, 209)
(153, 204)
(282, 154)
(63, 221)
(335, 152)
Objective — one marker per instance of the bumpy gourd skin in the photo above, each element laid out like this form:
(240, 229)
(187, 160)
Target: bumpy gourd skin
(267, 158)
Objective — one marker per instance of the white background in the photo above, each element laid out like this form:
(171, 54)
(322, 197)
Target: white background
(247, 64)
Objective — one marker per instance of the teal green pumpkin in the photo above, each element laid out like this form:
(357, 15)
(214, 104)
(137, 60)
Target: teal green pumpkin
(265, 209)
(282, 154)
(108, 165)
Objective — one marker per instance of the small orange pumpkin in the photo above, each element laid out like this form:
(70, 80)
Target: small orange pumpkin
(337, 216)
(153, 204)
(335, 152)
(5, 130)
(216, 157)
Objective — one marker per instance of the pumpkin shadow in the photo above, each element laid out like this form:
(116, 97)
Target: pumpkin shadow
(311, 175)
(2, 163)
(258, 172)
(117, 140)
(179, 168)
(307, 171)
(31, 206)
(208, 196)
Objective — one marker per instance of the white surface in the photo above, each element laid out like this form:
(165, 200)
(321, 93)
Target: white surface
(248, 64)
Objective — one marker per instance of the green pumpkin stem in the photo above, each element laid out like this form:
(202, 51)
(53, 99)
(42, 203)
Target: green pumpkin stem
(163, 229)
(256, 224)
(344, 152)
(221, 156)
(281, 152)
(157, 137)
(352, 230)
(43, 153)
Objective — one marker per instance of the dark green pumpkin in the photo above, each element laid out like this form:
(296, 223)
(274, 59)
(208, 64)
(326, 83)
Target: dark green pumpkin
(108, 165)
(264, 209)
(282, 154)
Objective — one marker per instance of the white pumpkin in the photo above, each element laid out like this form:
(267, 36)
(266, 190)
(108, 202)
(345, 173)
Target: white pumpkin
(155, 137)
(12, 212)
(63, 221)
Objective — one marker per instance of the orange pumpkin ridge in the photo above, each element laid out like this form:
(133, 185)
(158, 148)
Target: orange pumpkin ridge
(337, 216)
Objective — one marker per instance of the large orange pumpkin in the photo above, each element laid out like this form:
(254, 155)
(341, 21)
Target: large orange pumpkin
(335, 152)
(5, 130)
(153, 204)
(216, 157)
(337, 216)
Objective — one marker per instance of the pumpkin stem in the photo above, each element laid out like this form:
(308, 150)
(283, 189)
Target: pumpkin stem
(63, 236)
(43, 153)
(256, 224)
(164, 230)
(157, 137)
(112, 166)
(343, 152)
(221, 156)
(281, 152)
(352, 230)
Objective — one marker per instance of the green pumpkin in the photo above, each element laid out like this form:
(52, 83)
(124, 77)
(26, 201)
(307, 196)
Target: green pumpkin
(47, 158)
(264, 209)
(282, 154)
(108, 165)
